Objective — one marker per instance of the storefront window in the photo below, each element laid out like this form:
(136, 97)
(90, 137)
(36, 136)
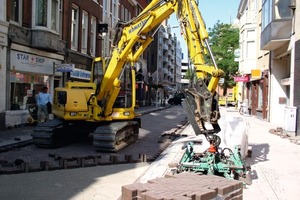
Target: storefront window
(24, 87)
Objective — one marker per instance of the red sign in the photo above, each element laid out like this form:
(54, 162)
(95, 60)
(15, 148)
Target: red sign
(241, 79)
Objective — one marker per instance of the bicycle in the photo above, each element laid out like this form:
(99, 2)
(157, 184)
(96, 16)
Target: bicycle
(244, 108)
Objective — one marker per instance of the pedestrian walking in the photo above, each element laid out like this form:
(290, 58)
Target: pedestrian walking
(44, 103)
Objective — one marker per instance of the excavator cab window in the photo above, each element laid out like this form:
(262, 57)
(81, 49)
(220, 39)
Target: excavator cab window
(124, 99)
(98, 73)
(62, 97)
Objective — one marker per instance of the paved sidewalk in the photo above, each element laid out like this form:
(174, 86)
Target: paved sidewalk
(274, 163)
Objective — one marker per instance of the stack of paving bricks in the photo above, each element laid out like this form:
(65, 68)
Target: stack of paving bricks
(185, 186)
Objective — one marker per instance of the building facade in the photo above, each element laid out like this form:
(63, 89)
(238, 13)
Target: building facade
(3, 59)
(164, 64)
(274, 95)
(253, 62)
(35, 47)
(49, 42)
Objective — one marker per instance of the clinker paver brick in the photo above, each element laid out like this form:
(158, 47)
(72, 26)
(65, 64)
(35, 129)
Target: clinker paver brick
(185, 186)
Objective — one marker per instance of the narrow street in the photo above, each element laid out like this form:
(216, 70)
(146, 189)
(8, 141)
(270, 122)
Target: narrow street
(273, 164)
(100, 182)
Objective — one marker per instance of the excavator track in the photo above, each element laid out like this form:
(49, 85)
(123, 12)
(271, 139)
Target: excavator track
(115, 136)
(107, 137)
(48, 134)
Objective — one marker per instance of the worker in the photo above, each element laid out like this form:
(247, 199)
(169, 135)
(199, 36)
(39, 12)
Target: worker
(44, 103)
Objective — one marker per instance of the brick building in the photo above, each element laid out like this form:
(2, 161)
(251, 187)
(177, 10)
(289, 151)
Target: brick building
(38, 36)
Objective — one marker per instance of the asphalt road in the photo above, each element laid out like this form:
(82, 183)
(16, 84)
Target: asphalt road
(100, 182)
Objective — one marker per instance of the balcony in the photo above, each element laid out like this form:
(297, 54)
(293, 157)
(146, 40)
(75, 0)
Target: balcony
(276, 34)
(165, 71)
(45, 40)
(165, 47)
(40, 39)
(165, 59)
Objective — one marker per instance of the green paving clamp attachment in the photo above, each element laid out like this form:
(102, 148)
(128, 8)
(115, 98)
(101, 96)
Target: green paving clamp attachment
(222, 162)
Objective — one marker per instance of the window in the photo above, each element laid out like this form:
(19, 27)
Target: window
(122, 13)
(282, 9)
(251, 34)
(84, 32)
(93, 37)
(41, 13)
(266, 13)
(47, 14)
(126, 15)
(74, 31)
(251, 49)
(124, 99)
(105, 9)
(54, 15)
(60, 18)
(2, 10)
(129, 16)
(15, 11)
(115, 12)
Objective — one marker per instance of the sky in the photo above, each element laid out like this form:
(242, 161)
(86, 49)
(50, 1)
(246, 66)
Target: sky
(212, 11)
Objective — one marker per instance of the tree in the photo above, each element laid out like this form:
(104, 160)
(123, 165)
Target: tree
(224, 39)
(189, 73)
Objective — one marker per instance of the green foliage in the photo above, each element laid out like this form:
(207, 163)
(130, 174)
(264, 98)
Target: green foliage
(189, 73)
(224, 39)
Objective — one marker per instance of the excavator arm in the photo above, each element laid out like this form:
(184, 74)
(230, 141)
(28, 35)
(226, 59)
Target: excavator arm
(200, 103)
(133, 37)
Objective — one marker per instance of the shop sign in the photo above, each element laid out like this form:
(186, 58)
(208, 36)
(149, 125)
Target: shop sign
(80, 74)
(65, 67)
(21, 61)
(241, 79)
(255, 73)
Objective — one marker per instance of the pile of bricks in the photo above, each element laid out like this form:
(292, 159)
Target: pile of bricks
(185, 186)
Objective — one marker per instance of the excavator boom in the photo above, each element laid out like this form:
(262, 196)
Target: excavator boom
(133, 37)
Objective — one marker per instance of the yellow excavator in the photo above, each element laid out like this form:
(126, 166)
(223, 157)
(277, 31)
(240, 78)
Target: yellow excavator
(104, 107)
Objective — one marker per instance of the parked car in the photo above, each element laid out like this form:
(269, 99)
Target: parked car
(176, 100)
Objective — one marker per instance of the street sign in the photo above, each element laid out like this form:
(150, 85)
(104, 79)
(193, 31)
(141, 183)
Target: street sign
(80, 74)
(221, 81)
(64, 67)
